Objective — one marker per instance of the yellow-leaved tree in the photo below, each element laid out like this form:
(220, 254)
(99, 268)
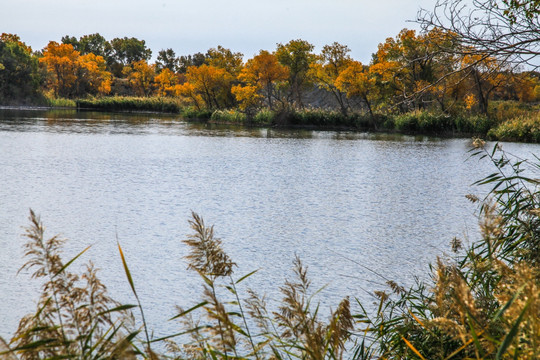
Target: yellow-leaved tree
(208, 83)
(325, 71)
(260, 74)
(358, 80)
(165, 82)
(94, 75)
(70, 75)
(141, 76)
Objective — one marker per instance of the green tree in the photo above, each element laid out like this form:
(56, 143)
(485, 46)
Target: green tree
(19, 78)
(297, 56)
(95, 44)
(127, 51)
(184, 62)
(167, 60)
(224, 58)
(71, 40)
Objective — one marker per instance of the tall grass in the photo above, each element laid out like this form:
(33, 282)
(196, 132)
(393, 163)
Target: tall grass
(427, 122)
(228, 117)
(74, 317)
(60, 102)
(196, 114)
(328, 119)
(522, 128)
(126, 103)
(483, 302)
(264, 117)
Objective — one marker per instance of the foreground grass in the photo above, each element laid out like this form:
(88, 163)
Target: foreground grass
(481, 303)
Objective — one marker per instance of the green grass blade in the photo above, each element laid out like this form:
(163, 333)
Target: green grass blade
(474, 335)
(246, 276)
(71, 261)
(513, 332)
(411, 346)
(179, 334)
(35, 344)
(118, 308)
(508, 303)
(189, 310)
(126, 270)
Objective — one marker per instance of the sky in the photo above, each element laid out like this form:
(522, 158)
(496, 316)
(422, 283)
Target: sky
(187, 27)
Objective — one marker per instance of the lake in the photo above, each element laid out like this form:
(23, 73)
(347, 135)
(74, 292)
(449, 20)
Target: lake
(348, 204)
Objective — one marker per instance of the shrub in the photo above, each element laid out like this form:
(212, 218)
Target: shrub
(506, 110)
(322, 118)
(473, 124)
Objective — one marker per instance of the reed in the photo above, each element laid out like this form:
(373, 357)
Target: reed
(127, 103)
(483, 303)
(228, 117)
(75, 317)
(60, 102)
(521, 128)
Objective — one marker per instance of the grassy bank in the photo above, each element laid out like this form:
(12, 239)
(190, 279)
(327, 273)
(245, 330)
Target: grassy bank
(482, 302)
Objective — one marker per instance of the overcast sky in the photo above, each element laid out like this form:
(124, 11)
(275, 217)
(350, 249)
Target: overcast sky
(192, 26)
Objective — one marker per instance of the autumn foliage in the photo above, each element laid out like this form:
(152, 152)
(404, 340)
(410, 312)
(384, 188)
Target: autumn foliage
(408, 72)
(72, 74)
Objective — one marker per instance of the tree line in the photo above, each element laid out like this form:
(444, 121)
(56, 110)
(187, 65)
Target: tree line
(433, 69)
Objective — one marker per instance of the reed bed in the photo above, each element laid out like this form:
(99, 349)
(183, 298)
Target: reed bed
(508, 121)
(521, 128)
(61, 102)
(126, 103)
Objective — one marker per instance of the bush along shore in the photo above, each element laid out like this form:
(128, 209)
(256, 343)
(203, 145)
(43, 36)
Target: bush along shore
(510, 121)
(483, 302)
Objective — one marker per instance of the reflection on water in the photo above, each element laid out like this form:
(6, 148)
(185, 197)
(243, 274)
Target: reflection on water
(390, 203)
(96, 122)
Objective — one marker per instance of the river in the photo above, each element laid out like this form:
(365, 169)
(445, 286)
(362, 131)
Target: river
(353, 206)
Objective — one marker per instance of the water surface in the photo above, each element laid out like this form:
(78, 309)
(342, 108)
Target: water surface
(343, 202)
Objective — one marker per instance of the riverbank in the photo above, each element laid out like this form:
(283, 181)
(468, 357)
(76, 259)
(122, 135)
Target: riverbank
(507, 120)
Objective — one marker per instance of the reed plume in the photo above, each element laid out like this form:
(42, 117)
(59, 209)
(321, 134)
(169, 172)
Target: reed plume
(75, 317)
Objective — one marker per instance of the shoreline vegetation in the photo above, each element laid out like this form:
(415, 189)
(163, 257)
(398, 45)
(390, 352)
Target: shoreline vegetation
(480, 302)
(513, 121)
